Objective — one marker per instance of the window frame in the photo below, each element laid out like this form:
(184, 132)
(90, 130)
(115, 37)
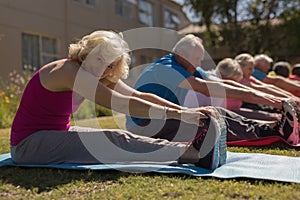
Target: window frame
(86, 3)
(147, 14)
(127, 4)
(41, 50)
(172, 21)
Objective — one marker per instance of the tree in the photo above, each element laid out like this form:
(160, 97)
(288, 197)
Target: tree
(255, 26)
(291, 26)
(206, 10)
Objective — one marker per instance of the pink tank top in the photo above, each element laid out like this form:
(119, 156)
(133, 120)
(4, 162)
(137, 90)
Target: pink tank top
(41, 109)
(232, 104)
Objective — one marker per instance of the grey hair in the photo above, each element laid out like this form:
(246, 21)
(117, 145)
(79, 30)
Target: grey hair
(229, 69)
(186, 42)
(262, 57)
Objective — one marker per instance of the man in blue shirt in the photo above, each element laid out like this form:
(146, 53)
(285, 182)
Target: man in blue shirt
(171, 76)
(262, 64)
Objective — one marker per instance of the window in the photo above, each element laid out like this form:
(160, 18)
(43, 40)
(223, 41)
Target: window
(171, 20)
(38, 50)
(91, 3)
(126, 8)
(145, 12)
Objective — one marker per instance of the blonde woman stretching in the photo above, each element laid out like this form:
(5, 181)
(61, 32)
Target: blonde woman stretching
(41, 131)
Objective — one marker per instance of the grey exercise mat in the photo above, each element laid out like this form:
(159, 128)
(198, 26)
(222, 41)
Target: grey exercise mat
(248, 165)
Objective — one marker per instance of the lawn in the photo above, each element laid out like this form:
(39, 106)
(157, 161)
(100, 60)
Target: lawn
(40, 183)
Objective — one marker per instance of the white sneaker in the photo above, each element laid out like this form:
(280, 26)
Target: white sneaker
(289, 128)
(211, 143)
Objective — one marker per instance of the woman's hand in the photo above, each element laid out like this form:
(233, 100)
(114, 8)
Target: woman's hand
(268, 99)
(294, 99)
(194, 115)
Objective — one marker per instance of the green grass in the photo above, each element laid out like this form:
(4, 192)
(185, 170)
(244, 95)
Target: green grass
(41, 183)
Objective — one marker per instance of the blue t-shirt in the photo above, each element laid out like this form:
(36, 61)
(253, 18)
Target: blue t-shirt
(259, 74)
(162, 78)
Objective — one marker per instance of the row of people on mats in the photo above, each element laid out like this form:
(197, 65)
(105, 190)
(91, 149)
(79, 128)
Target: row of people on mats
(257, 73)
(160, 125)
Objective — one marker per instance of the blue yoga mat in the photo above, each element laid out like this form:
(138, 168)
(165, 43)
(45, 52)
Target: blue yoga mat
(247, 165)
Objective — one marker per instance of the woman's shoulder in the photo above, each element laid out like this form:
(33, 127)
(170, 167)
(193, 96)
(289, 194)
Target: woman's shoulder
(60, 67)
(58, 75)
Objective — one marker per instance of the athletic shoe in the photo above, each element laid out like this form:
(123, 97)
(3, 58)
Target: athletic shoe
(295, 106)
(223, 138)
(288, 127)
(297, 109)
(210, 144)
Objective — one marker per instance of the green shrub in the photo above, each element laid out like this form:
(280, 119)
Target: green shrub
(11, 90)
(89, 110)
(101, 111)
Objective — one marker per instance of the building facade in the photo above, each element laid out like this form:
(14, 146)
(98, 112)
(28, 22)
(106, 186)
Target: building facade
(34, 32)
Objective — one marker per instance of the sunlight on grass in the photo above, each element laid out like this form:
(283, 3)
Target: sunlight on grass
(43, 183)
(4, 140)
(114, 122)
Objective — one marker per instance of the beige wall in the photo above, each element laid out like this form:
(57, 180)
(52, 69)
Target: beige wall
(64, 20)
(17, 16)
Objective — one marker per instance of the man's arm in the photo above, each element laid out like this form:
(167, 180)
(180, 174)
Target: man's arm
(233, 90)
(269, 89)
(284, 84)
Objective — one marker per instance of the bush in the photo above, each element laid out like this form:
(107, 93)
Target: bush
(11, 91)
(89, 110)
(101, 111)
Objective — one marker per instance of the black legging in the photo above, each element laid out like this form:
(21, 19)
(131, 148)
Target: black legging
(238, 128)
